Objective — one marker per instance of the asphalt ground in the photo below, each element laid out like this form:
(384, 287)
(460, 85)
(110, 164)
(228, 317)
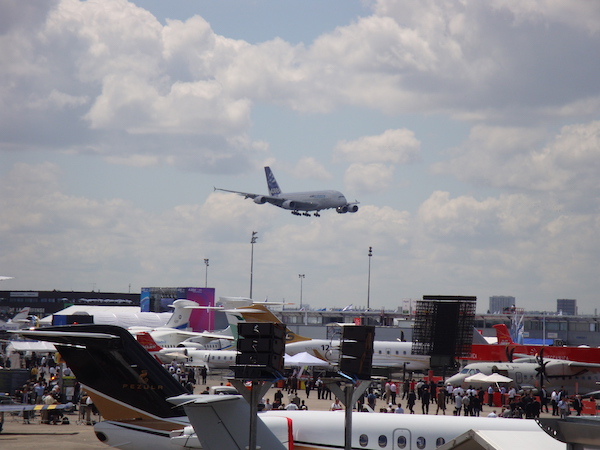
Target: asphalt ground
(17, 435)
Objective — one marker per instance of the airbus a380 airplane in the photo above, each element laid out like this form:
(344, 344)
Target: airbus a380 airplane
(132, 391)
(300, 201)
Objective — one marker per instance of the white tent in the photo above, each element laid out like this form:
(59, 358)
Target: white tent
(497, 378)
(479, 376)
(304, 359)
(30, 346)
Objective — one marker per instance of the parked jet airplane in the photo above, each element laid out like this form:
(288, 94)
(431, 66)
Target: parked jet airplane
(385, 353)
(300, 201)
(506, 349)
(19, 320)
(130, 388)
(191, 356)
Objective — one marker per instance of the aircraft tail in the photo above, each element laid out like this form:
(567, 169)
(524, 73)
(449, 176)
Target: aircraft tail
(146, 341)
(258, 313)
(182, 310)
(503, 334)
(21, 316)
(272, 182)
(125, 382)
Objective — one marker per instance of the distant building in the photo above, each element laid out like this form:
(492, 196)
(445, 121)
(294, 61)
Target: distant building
(43, 303)
(566, 306)
(501, 304)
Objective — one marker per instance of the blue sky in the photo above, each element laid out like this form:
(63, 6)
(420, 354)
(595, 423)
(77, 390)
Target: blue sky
(469, 132)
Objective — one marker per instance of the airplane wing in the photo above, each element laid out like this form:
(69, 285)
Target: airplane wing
(244, 194)
(16, 407)
(583, 365)
(274, 200)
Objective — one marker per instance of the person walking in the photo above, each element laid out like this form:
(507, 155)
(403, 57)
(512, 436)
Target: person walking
(412, 399)
(425, 398)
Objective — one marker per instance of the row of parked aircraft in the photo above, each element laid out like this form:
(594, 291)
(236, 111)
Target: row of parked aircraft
(526, 372)
(144, 407)
(576, 369)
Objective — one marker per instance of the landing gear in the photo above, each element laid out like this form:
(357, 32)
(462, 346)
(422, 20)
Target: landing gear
(306, 213)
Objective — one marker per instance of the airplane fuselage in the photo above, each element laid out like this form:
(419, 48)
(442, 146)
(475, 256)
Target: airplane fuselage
(318, 199)
(558, 374)
(385, 353)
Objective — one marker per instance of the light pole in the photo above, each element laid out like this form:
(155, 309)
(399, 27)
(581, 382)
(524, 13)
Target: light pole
(369, 280)
(252, 242)
(206, 272)
(301, 276)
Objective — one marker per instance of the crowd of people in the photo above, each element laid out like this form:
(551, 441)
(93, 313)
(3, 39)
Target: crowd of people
(43, 388)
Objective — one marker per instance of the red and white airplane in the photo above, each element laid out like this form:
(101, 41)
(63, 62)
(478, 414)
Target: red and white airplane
(506, 349)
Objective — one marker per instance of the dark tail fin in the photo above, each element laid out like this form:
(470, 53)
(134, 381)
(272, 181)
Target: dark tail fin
(123, 379)
(272, 182)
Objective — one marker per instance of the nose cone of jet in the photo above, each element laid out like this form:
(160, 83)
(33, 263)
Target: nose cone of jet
(455, 380)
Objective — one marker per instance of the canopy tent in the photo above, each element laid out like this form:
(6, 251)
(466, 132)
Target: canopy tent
(304, 359)
(30, 346)
(497, 378)
(483, 378)
(479, 376)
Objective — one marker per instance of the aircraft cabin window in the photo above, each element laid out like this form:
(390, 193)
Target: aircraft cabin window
(363, 440)
(439, 442)
(421, 442)
(401, 442)
(382, 441)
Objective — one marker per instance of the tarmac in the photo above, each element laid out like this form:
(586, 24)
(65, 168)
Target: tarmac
(17, 435)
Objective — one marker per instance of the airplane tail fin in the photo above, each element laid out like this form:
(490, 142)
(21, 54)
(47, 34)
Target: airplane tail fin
(21, 316)
(503, 334)
(182, 310)
(272, 182)
(146, 341)
(125, 382)
(258, 313)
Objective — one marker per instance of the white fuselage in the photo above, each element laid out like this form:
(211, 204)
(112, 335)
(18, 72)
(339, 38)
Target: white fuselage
(212, 359)
(525, 375)
(385, 353)
(320, 200)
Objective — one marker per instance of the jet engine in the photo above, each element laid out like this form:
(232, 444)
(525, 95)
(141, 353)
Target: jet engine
(289, 204)
(352, 208)
(260, 199)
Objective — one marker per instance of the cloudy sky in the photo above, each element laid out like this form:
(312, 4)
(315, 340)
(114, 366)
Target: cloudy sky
(469, 131)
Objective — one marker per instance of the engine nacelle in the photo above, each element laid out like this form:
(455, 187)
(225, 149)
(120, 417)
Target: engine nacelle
(289, 204)
(352, 208)
(260, 199)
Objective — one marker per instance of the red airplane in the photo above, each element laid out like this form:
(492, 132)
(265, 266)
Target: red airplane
(506, 349)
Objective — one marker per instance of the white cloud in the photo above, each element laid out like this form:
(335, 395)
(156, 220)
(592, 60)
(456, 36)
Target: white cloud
(368, 178)
(392, 146)
(522, 158)
(310, 168)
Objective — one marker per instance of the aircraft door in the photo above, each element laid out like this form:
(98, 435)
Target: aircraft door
(401, 439)
(518, 378)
